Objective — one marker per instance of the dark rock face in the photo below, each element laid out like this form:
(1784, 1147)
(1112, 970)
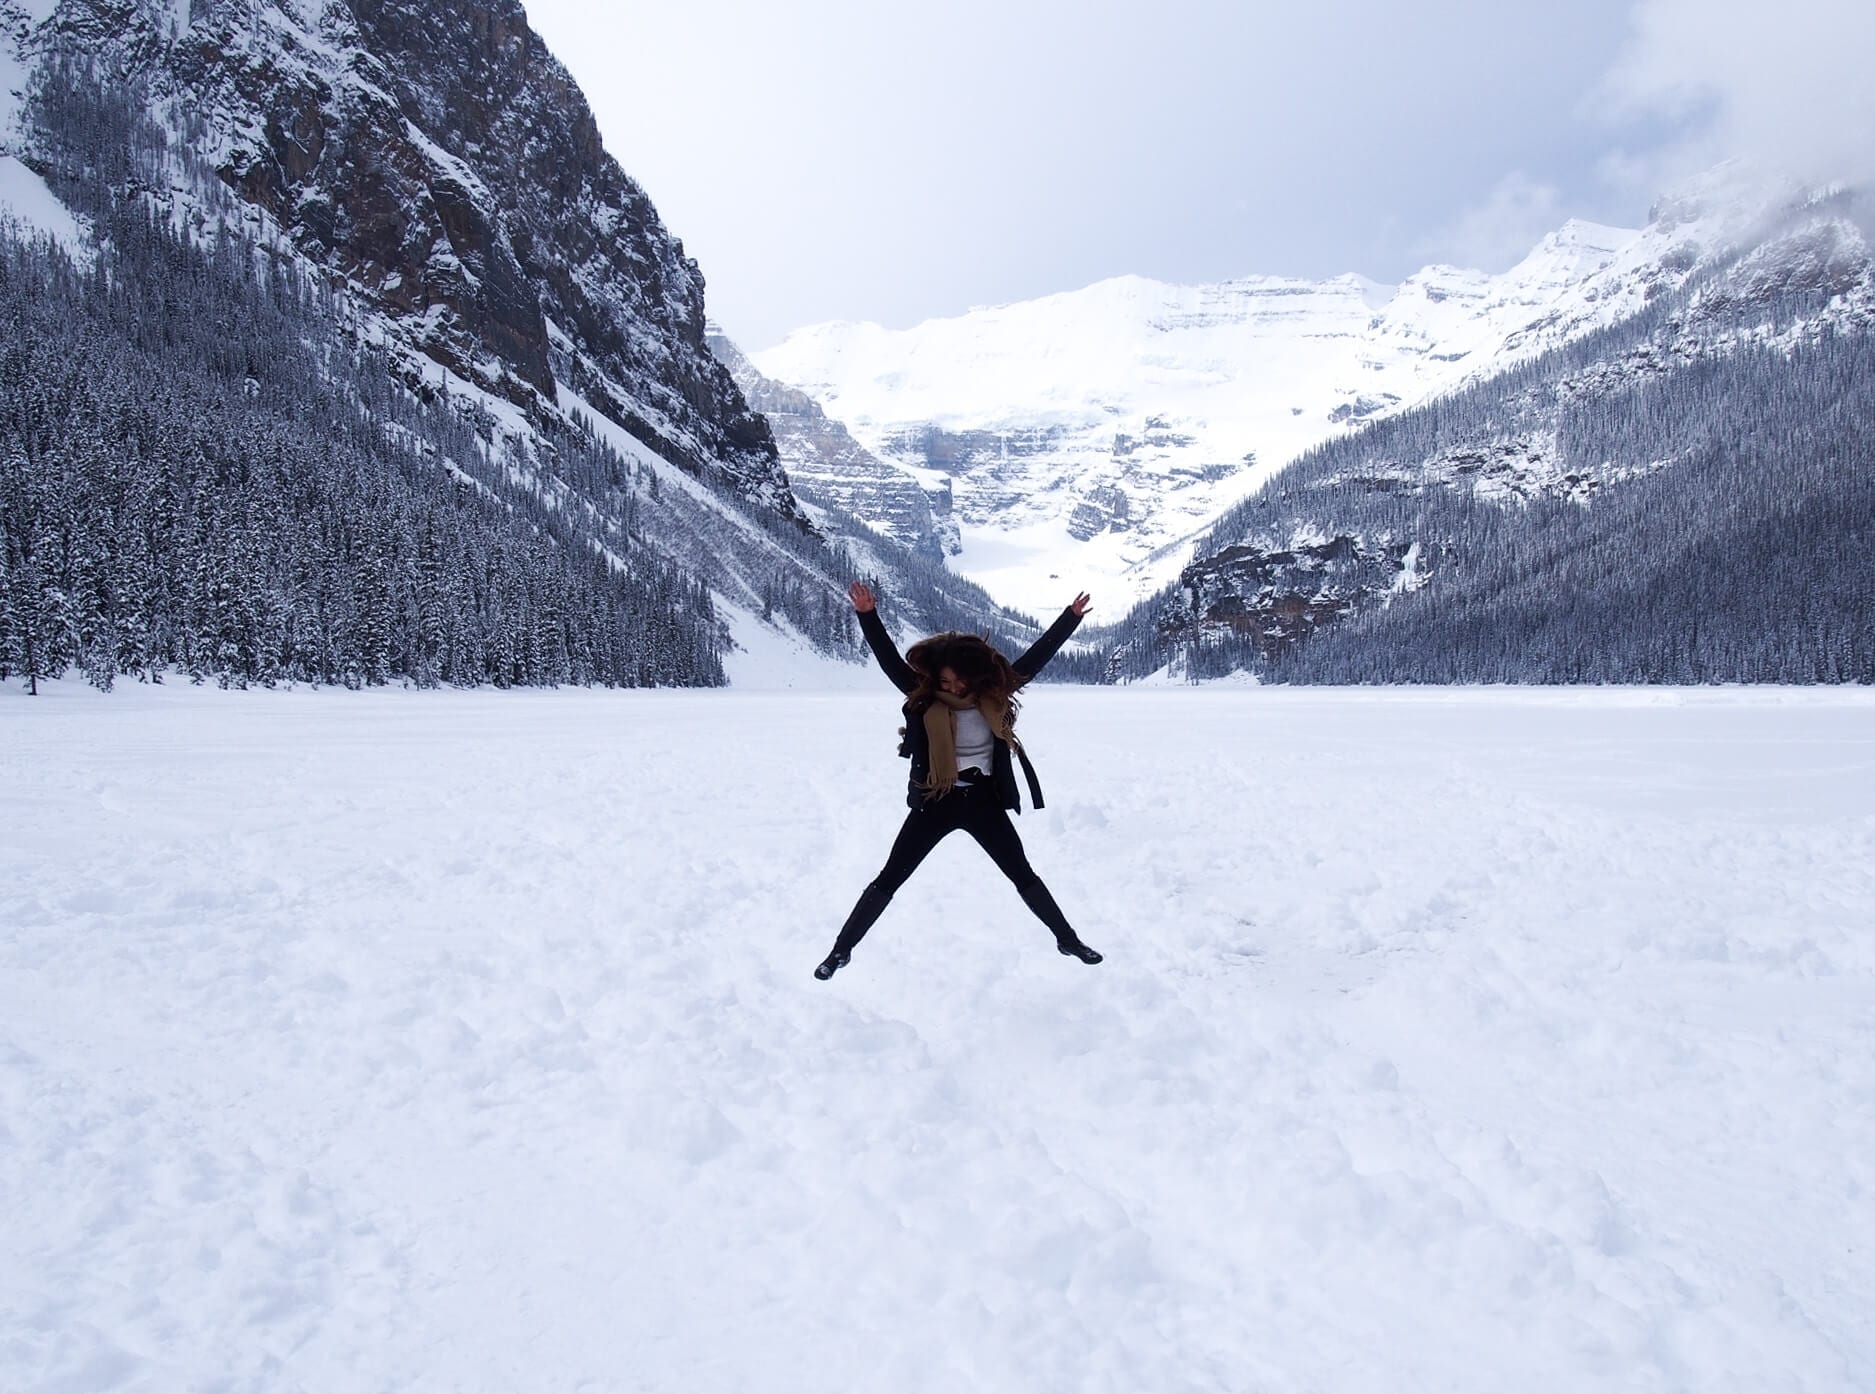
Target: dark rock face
(436, 158)
(999, 468)
(1363, 407)
(1104, 506)
(960, 452)
(1276, 595)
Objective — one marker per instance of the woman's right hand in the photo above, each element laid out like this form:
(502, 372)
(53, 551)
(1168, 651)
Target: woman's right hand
(860, 596)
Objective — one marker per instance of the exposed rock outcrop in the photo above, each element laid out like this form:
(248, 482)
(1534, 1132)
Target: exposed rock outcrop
(440, 164)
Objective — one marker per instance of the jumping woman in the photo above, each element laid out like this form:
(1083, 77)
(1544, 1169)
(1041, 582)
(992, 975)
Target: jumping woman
(960, 716)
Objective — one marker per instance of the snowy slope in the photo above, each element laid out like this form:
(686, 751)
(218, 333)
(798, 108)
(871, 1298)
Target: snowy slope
(28, 205)
(1088, 434)
(465, 1041)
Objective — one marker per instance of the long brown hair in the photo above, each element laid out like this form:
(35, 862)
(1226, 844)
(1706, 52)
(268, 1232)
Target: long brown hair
(985, 673)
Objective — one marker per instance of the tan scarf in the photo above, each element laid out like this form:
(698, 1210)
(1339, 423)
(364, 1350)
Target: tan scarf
(940, 725)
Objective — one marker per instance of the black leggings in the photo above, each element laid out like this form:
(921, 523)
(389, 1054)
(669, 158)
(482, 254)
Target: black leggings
(976, 811)
(979, 812)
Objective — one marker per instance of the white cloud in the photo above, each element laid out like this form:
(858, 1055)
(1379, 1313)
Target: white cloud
(1783, 85)
(1497, 233)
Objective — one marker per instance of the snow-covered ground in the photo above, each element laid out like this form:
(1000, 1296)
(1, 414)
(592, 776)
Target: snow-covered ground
(1472, 1041)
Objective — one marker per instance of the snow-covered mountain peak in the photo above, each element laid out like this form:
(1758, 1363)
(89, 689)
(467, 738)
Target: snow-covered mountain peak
(1572, 252)
(1377, 294)
(1731, 187)
(1740, 201)
(1581, 232)
(1089, 432)
(1091, 429)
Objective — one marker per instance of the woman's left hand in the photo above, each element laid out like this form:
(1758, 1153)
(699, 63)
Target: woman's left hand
(1081, 603)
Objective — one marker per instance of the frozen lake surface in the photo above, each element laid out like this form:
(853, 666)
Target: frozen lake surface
(1447, 1041)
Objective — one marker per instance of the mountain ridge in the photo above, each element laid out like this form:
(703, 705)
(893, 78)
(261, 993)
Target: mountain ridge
(439, 161)
(1681, 496)
(1093, 430)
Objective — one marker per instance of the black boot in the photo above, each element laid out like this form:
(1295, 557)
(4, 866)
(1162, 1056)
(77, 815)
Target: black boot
(866, 911)
(1035, 895)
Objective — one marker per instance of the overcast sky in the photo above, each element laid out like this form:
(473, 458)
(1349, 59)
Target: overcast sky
(852, 159)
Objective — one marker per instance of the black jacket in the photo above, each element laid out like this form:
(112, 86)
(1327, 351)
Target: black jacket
(918, 743)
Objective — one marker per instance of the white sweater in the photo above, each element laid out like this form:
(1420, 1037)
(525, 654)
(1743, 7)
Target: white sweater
(976, 744)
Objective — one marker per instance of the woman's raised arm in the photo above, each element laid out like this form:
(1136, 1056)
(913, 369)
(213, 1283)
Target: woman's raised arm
(883, 649)
(1044, 648)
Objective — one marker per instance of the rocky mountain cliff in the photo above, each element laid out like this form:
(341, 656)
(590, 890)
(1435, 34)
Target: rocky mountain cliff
(440, 164)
